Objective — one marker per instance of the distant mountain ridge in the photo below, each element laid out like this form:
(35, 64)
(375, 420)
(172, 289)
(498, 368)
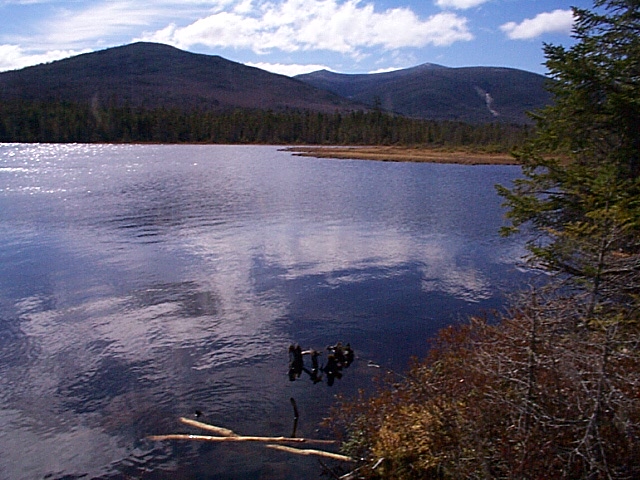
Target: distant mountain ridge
(155, 75)
(152, 75)
(470, 94)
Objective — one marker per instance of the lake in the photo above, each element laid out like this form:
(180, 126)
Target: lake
(139, 284)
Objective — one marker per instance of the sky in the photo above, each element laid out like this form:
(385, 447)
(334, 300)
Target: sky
(291, 37)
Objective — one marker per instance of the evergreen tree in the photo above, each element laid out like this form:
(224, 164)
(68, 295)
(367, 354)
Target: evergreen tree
(581, 185)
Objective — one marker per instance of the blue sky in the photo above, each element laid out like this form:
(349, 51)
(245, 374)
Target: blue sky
(296, 36)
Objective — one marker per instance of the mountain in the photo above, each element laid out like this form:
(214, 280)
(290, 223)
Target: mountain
(157, 75)
(471, 94)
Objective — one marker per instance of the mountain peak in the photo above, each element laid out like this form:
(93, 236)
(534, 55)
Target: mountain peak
(151, 75)
(436, 92)
(154, 74)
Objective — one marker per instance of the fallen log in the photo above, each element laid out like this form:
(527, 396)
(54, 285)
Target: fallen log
(225, 432)
(237, 438)
(309, 452)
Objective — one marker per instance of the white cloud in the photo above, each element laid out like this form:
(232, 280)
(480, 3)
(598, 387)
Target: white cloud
(13, 57)
(96, 22)
(385, 70)
(558, 21)
(304, 25)
(459, 4)
(22, 2)
(112, 22)
(290, 70)
(245, 6)
(348, 27)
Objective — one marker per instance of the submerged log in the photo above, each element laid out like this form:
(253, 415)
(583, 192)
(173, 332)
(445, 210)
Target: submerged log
(308, 452)
(237, 438)
(225, 435)
(225, 432)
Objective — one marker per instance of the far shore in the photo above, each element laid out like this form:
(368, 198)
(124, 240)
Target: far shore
(406, 154)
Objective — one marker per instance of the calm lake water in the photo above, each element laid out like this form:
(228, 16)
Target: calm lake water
(139, 284)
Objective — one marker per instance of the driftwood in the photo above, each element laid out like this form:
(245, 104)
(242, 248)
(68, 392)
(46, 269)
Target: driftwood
(225, 432)
(308, 452)
(237, 438)
(226, 435)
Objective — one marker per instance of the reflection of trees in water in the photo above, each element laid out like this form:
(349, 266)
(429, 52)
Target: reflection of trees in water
(338, 357)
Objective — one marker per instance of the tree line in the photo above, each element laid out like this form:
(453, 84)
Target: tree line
(550, 388)
(59, 122)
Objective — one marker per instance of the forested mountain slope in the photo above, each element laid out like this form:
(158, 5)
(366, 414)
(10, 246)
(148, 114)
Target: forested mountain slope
(154, 75)
(434, 92)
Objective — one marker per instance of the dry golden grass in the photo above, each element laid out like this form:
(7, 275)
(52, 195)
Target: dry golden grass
(407, 154)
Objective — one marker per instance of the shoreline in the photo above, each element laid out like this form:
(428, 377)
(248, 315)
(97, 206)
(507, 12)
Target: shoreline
(405, 154)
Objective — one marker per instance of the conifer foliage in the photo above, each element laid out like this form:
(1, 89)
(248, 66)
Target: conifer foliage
(54, 122)
(581, 185)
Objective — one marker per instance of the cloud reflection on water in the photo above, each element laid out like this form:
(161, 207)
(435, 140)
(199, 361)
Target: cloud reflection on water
(111, 337)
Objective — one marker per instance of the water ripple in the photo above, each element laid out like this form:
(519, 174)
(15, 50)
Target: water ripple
(141, 283)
